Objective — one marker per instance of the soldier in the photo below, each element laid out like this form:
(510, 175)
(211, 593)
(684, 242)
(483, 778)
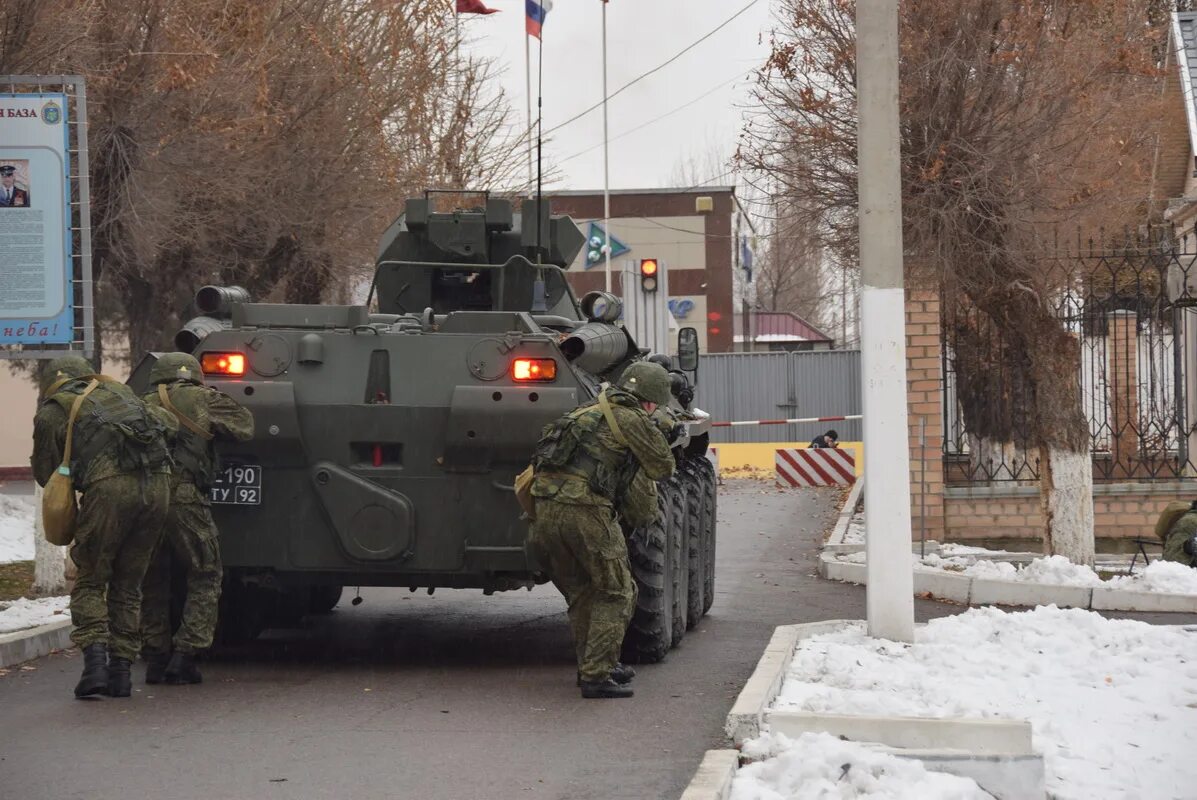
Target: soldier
(596, 456)
(120, 463)
(190, 538)
(1177, 528)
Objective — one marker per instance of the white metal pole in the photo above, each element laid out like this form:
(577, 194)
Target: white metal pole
(606, 162)
(890, 594)
(528, 97)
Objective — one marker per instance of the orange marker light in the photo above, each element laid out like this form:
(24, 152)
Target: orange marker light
(223, 364)
(534, 370)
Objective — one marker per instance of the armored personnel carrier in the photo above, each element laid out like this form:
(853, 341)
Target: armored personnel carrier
(388, 435)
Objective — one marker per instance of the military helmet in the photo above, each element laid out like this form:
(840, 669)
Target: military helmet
(646, 380)
(176, 367)
(60, 371)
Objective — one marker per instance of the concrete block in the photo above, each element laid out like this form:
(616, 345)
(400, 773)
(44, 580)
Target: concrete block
(837, 549)
(713, 779)
(1006, 777)
(974, 736)
(747, 713)
(942, 585)
(846, 571)
(21, 646)
(1013, 593)
(1125, 600)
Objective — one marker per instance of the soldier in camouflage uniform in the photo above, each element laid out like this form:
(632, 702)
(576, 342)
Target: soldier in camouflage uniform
(1180, 539)
(596, 457)
(120, 463)
(190, 540)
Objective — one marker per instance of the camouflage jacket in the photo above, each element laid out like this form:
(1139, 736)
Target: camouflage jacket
(49, 442)
(213, 411)
(603, 471)
(1180, 532)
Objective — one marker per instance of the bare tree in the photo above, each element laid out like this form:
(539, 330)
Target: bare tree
(261, 142)
(1015, 117)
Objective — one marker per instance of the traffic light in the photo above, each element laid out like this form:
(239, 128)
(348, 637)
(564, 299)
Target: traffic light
(648, 274)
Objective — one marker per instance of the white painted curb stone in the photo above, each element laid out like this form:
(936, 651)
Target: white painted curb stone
(747, 713)
(21, 646)
(989, 737)
(713, 780)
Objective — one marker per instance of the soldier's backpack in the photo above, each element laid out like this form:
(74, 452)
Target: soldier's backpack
(116, 422)
(191, 451)
(60, 509)
(1168, 517)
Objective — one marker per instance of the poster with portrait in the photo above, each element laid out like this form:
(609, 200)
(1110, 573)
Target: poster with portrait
(35, 237)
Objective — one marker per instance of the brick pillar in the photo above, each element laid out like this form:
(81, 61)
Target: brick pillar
(924, 378)
(1122, 349)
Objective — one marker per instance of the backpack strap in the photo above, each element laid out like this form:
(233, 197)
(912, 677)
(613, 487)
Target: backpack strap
(70, 435)
(605, 405)
(184, 420)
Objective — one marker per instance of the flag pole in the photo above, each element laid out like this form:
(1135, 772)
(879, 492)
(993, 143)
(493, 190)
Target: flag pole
(528, 99)
(606, 161)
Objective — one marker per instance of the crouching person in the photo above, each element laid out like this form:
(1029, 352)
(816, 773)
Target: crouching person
(190, 537)
(578, 464)
(120, 463)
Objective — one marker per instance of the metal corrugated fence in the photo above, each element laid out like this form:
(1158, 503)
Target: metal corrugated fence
(746, 386)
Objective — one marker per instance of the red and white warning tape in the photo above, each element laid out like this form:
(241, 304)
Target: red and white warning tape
(784, 421)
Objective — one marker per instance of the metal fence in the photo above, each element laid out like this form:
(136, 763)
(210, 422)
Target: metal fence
(750, 386)
(1132, 314)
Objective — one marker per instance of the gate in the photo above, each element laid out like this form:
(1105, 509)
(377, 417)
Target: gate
(748, 386)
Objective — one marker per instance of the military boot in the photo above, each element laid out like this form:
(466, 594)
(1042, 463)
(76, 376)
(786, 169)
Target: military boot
(605, 688)
(620, 673)
(120, 681)
(95, 671)
(182, 670)
(155, 667)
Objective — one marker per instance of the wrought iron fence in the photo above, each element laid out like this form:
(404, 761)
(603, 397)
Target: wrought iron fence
(1133, 314)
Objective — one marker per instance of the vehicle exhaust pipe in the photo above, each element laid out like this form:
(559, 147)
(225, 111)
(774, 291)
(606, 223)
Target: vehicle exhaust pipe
(218, 301)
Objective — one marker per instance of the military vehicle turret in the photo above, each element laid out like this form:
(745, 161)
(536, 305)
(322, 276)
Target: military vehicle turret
(388, 434)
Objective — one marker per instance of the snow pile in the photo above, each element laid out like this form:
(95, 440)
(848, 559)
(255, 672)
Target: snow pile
(954, 549)
(823, 766)
(17, 615)
(16, 529)
(855, 532)
(1159, 576)
(1112, 703)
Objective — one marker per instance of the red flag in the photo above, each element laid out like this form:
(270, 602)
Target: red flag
(474, 7)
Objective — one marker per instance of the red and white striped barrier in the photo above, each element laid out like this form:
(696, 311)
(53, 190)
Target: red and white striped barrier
(816, 466)
(783, 421)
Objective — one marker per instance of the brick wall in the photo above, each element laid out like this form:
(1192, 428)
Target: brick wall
(1010, 516)
(924, 401)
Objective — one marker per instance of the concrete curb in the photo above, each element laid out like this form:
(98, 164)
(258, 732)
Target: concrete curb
(836, 540)
(748, 712)
(987, 737)
(986, 591)
(21, 646)
(713, 780)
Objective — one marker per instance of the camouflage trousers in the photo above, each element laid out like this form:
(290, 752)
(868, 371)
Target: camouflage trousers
(120, 520)
(586, 557)
(189, 543)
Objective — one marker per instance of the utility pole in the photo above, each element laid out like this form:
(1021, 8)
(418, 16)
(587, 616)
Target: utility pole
(606, 165)
(890, 594)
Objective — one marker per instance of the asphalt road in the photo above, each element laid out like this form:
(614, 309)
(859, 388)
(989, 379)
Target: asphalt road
(451, 696)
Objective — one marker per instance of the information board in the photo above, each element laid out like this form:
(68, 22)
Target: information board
(36, 293)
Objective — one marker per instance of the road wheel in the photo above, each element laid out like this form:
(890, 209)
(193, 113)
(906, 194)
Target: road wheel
(650, 634)
(323, 599)
(695, 535)
(710, 491)
(674, 492)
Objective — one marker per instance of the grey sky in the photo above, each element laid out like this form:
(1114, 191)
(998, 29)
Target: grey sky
(641, 34)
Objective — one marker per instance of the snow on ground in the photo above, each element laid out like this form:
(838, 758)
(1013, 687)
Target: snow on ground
(1160, 576)
(17, 615)
(817, 765)
(855, 532)
(1112, 703)
(16, 529)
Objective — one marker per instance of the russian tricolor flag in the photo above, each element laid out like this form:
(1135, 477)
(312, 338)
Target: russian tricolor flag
(537, 10)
